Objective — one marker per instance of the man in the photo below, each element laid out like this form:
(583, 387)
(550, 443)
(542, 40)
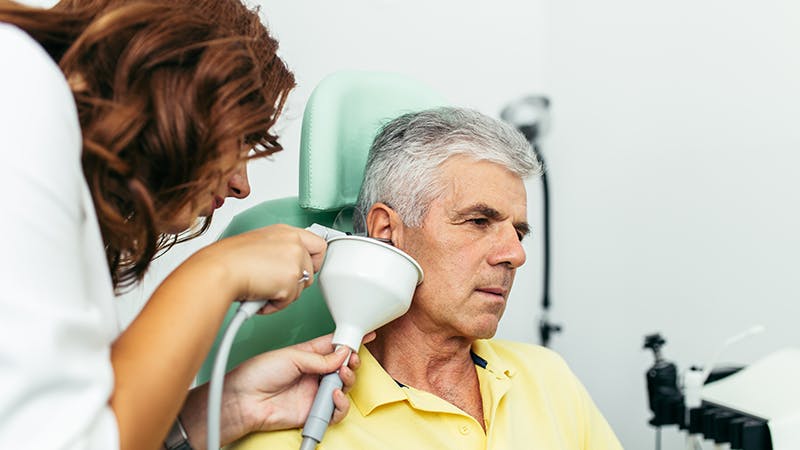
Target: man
(446, 186)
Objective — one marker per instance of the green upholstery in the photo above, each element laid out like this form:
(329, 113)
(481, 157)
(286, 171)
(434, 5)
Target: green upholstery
(342, 116)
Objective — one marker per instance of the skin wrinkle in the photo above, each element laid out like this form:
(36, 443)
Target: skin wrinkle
(483, 210)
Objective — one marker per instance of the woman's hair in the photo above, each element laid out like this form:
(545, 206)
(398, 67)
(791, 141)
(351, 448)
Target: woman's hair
(403, 166)
(165, 90)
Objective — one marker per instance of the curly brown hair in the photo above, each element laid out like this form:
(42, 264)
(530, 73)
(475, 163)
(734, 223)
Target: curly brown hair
(164, 90)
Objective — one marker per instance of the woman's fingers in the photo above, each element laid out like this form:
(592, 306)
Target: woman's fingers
(318, 363)
(303, 280)
(273, 263)
(323, 343)
(348, 378)
(316, 248)
(341, 406)
(369, 337)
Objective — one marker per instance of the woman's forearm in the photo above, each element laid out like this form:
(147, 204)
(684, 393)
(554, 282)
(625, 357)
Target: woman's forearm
(156, 358)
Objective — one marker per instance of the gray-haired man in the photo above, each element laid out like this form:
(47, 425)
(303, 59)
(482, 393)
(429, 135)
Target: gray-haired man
(447, 187)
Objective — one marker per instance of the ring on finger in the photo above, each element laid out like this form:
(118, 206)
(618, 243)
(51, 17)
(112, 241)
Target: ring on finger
(304, 277)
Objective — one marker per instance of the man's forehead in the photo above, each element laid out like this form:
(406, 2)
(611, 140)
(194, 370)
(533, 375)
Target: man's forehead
(469, 185)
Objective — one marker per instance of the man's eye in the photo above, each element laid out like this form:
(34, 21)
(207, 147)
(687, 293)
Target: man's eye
(480, 221)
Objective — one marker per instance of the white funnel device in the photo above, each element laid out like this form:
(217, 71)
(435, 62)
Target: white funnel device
(366, 284)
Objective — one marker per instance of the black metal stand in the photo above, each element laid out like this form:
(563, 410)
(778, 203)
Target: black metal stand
(546, 328)
(530, 115)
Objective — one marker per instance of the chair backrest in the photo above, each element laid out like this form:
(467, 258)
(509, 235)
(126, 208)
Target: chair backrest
(341, 118)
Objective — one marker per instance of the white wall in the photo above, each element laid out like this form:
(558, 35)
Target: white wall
(672, 162)
(674, 159)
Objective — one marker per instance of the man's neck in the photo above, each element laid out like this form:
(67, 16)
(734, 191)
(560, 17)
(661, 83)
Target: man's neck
(432, 362)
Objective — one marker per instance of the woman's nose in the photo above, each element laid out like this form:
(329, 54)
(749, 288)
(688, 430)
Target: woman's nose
(238, 184)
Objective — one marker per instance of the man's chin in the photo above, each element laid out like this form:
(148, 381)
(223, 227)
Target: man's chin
(485, 330)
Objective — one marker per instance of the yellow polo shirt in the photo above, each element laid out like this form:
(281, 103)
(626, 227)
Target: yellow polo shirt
(531, 400)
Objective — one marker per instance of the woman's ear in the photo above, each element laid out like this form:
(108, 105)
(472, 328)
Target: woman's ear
(384, 222)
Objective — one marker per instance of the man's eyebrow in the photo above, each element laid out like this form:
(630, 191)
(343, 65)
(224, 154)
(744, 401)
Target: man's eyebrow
(523, 228)
(480, 209)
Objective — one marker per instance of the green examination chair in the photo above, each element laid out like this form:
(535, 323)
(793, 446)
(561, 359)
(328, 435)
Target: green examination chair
(342, 116)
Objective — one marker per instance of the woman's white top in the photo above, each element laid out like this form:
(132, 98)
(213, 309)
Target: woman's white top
(57, 319)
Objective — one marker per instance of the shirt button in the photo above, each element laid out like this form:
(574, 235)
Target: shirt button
(463, 429)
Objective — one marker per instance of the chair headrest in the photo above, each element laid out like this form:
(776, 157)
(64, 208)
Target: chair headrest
(343, 115)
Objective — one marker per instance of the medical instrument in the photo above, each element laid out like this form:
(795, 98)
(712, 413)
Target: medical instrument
(742, 408)
(531, 116)
(763, 399)
(663, 394)
(365, 283)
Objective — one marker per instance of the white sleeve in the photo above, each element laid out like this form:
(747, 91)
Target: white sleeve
(55, 326)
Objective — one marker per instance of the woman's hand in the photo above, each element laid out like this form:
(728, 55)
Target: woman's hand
(273, 391)
(264, 264)
(276, 389)
(267, 263)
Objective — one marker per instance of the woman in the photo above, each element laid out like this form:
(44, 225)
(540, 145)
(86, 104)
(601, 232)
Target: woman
(123, 125)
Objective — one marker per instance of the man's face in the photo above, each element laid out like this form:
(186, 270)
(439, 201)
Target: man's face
(469, 248)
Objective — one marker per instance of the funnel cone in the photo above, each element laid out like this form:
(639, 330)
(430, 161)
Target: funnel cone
(366, 284)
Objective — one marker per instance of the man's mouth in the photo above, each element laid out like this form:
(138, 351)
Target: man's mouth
(499, 291)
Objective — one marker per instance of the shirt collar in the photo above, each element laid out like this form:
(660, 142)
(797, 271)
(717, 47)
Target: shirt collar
(484, 349)
(375, 387)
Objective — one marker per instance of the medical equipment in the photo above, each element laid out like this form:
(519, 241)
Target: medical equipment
(764, 400)
(664, 397)
(737, 408)
(366, 284)
(531, 116)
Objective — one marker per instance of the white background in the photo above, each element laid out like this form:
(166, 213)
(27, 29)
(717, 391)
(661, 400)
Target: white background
(672, 158)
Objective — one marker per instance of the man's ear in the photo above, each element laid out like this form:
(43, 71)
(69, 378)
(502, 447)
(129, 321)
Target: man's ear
(384, 222)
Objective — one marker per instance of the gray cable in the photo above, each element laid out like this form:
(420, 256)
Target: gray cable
(245, 311)
(321, 410)
(308, 444)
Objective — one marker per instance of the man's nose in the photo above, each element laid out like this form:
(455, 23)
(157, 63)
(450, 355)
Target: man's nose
(508, 249)
(238, 184)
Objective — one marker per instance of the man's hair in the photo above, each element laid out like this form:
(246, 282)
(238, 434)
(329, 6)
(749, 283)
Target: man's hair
(403, 166)
(164, 91)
